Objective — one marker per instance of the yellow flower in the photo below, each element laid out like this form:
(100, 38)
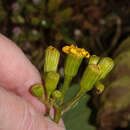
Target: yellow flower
(66, 49)
(74, 50)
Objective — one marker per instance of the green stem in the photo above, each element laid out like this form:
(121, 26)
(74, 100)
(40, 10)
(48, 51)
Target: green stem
(48, 110)
(58, 115)
(65, 87)
(48, 96)
(48, 103)
(68, 105)
(71, 102)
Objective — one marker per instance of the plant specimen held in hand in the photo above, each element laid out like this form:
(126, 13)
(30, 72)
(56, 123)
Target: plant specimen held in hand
(53, 96)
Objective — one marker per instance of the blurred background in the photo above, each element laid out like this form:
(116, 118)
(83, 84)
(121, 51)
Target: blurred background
(100, 26)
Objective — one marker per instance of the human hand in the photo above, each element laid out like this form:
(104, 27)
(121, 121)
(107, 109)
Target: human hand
(19, 110)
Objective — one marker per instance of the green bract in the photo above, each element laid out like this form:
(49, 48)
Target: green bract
(72, 64)
(51, 81)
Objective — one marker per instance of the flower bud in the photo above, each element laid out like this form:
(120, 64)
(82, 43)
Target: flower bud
(51, 81)
(56, 94)
(52, 56)
(38, 91)
(72, 64)
(74, 58)
(106, 65)
(94, 60)
(89, 78)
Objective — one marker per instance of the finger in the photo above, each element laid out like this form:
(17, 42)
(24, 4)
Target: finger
(17, 114)
(16, 72)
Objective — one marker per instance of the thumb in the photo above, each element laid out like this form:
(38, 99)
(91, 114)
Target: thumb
(17, 114)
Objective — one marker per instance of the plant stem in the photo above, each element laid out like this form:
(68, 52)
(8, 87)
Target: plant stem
(65, 87)
(48, 107)
(71, 102)
(49, 103)
(47, 111)
(58, 115)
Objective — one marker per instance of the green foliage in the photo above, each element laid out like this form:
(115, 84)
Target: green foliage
(18, 19)
(77, 118)
(33, 35)
(66, 14)
(74, 58)
(53, 5)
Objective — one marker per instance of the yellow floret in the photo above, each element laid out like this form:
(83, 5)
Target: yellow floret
(84, 52)
(79, 52)
(73, 51)
(87, 55)
(72, 46)
(66, 49)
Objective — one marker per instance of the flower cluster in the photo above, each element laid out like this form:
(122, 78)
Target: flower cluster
(52, 94)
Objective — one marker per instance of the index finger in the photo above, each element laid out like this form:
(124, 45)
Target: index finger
(17, 73)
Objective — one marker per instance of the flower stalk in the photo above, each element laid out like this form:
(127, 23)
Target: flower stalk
(73, 61)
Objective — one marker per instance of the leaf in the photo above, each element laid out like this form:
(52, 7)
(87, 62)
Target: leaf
(77, 117)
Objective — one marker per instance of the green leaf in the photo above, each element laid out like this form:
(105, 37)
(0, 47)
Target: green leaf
(77, 118)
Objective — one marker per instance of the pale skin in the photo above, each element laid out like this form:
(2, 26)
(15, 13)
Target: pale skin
(19, 110)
